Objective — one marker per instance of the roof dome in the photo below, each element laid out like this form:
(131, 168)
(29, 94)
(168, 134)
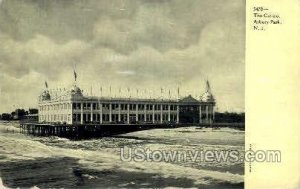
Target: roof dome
(76, 90)
(45, 95)
(207, 97)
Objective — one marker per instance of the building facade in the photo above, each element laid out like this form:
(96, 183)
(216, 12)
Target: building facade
(72, 107)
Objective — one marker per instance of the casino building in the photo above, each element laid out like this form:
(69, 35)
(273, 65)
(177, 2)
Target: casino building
(72, 107)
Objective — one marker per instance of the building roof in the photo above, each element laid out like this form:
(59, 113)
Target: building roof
(189, 99)
(75, 94)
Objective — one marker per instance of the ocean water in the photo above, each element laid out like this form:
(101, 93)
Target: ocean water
(53, 162)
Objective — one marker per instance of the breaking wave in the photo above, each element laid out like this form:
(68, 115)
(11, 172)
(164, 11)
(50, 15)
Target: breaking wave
(103, 154)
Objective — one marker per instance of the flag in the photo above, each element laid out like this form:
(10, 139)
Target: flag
(46, 84)
(75, 75)
(207, 86)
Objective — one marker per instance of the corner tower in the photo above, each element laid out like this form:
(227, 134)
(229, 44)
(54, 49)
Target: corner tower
(207, 103)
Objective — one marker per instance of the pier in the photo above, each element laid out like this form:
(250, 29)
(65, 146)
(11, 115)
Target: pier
(84, 131)
(97, 131)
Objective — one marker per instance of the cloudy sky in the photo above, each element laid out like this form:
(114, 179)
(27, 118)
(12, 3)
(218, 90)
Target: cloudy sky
(145, 44)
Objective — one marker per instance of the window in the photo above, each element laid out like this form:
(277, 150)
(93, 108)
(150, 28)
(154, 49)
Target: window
(122, 106)
(132, 106)
(106, 106)
(141, 106)
(157, 107)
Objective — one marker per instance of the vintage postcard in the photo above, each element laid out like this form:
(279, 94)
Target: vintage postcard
(149, 94)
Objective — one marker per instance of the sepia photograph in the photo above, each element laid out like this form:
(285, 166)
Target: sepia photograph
(122, 94)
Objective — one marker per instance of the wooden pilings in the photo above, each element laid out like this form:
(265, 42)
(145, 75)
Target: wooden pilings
(83, 131)
(68, 131)
(48, 130)
(94, 130)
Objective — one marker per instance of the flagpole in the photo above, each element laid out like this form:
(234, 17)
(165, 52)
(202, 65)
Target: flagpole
(110, 91)
(128, 89)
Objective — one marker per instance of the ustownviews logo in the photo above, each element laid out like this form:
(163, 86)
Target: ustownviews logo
(145, 154)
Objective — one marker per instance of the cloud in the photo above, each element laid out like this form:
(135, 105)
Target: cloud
(141, 44)
(39, 54)
(126, 72)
